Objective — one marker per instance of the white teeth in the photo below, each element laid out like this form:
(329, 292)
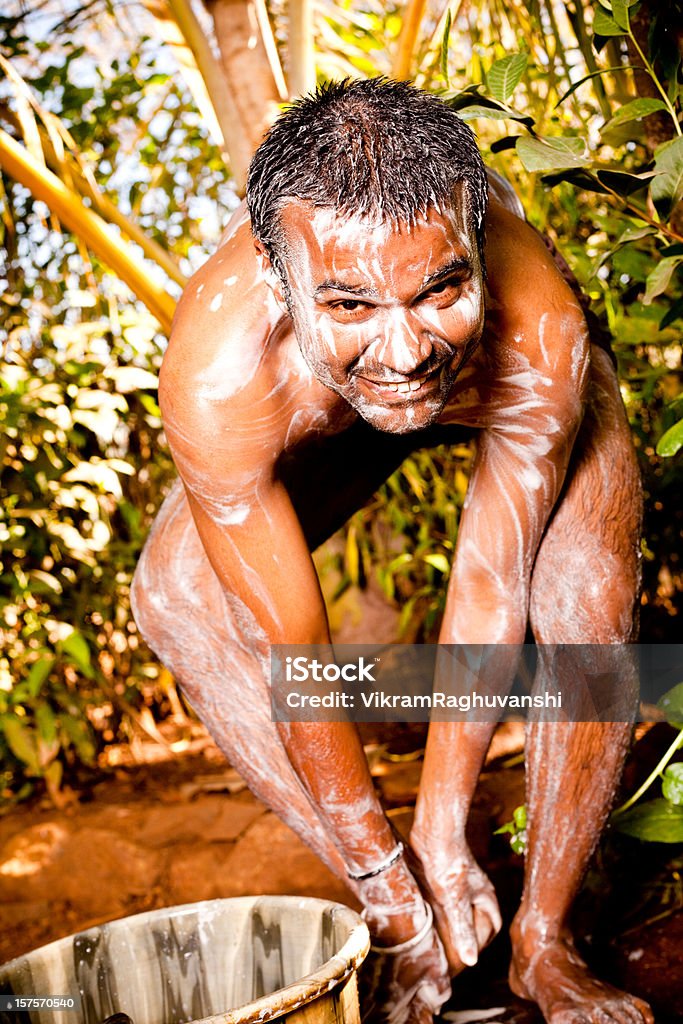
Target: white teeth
(405, 386)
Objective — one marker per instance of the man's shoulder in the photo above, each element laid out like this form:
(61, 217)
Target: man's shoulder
(225, 321)
(522, 271)
(225, 297)
(534, 350)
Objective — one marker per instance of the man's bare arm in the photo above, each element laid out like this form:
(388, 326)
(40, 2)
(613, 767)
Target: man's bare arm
(530, 408)
(226, 454)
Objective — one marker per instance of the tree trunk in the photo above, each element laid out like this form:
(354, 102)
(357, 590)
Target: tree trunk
(657, 127)
(248, 72)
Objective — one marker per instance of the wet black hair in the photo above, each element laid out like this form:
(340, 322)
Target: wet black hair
(370, 147)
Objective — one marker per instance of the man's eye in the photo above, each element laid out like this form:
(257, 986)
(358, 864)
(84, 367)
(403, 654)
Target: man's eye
(443, 286)
(345, 309)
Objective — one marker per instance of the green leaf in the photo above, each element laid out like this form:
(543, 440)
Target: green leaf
(519, 817)
(623, 182)
(507, 142)
(567, 143)
(633, 111)
(659, 278)
(517, 830)
(21, 741)
(493, 113)
(620, 13)
(667, 186)
(40, 670)
(504, 76)
(469, 100)
(46, 721)
(668, 444)
(76, 648)
(605, 25)
(444, 46)
(634, 232)
(656, 821)
(542, 155)
(439, 562)
(577, 177)
(672, 784)
(518, 843)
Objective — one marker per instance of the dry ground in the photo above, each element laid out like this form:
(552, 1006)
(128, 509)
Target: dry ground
(187, 829)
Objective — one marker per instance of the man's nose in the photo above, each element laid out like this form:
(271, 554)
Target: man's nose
(408, 344)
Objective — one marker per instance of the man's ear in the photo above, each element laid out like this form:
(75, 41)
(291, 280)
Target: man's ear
(269, 274)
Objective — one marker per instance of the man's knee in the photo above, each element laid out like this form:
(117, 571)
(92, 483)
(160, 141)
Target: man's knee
(585, 593)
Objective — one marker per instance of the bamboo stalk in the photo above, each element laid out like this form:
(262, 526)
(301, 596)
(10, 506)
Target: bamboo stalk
(270, 46)
(78, 179)
(152, 250)
(408, 38)
(301, 55)
(246, 66)
(46, 186)
(206, 81)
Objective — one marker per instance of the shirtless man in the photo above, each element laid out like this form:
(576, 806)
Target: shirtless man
(350, 322)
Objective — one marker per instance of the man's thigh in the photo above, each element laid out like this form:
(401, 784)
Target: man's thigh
(585, 583)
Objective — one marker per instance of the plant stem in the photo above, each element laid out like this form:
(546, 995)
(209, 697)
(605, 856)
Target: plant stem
(88, 225)
(586, 47)
(642, 215)
(662, 91)
(559, 50)
(678, 742)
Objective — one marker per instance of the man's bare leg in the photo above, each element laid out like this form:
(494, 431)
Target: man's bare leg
(215, 650)
(584, 588)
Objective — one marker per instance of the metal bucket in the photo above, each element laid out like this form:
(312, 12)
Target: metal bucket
(231, 961)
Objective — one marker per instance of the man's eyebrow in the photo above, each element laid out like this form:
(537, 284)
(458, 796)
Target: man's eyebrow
(352, 289)
(456, 266)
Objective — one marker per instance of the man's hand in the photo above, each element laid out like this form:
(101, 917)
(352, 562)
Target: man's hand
(405, 987)
(465, 907)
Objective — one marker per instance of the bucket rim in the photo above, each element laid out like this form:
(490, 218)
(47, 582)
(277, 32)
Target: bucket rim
(329, 976)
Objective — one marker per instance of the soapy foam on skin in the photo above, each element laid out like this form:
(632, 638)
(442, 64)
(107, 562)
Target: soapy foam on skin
(522, 423)
(226, 511)
(200, 668)
(333, 262)
(525, 447)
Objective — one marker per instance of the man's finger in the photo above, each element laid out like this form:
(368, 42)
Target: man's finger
(465, 936)
(487, 904)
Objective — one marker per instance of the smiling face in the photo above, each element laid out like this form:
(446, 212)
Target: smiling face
(385, 314)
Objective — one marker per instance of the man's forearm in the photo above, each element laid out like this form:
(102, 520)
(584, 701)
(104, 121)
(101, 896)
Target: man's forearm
(330, 762)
